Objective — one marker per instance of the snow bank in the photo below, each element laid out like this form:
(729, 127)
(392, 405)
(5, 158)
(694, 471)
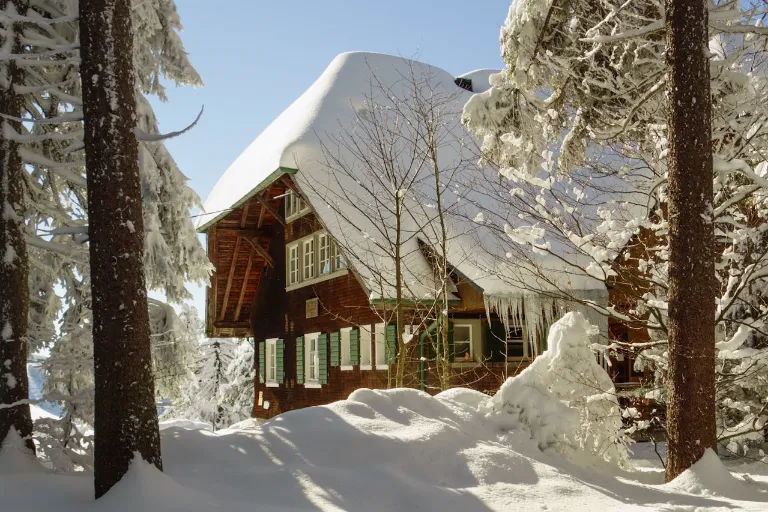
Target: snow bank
(380, 450)
(564, 398)
(710, 477)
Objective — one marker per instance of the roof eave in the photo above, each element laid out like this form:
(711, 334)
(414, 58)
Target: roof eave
(280, 171)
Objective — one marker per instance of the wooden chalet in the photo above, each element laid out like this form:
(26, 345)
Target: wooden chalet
(281, 278)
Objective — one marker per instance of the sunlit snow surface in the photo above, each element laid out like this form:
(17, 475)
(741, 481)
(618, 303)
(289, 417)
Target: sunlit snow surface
(379, 450)
(403, 449)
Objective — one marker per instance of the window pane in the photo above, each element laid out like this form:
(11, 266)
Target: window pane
(324, 248)
(309, 259)
(462, 333)
(293, 264)
(288, 204)
(345, 352)
(365, 345)
(514, 348)
(462, 351)
(338, 258)
(381, 344)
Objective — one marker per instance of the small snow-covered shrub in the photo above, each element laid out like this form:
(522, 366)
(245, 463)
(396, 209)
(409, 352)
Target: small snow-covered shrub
(565, 399)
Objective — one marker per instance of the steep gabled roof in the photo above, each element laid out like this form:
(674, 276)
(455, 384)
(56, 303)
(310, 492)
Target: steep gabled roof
(294, 143)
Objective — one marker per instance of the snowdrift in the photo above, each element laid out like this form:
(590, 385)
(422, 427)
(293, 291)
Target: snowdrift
(402, 449)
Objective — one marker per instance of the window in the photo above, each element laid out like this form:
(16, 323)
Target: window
(462, 342)
(338, 258)
(312, 259)
(293, 264)
(271, 360)
(365, 347)
(311, 360)
(381, 345)
(294, 205)
(324, 254)
(308, 252)
(517, 343)
(410, 333)
(346, 353)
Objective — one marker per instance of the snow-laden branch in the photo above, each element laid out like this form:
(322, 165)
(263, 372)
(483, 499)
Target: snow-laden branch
(57, 248)
(32, 158)
(157, 137)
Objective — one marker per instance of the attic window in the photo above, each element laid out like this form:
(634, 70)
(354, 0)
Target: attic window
(294, 206)
(464, 83)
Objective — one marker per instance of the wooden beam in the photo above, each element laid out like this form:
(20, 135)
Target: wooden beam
(261, 216)
(212, 292)
(247, 233)
(232, 325)
(229, 280)
(244, 216)
(259, 249)
(245, 283)
(289, 184)
(265, 204)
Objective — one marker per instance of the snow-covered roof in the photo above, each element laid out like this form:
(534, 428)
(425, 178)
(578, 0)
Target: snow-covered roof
(294, 143)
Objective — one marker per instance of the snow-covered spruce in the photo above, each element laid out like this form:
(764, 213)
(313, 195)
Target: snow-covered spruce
(576, 124)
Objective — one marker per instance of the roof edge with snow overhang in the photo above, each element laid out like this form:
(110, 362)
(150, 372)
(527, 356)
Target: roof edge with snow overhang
(206, 224)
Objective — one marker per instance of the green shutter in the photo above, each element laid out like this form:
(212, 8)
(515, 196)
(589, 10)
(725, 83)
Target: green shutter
(262, 363)
(279, 357)
(494, 345)
(335, 349)
(300, 360)
(354, 347)
(391, 343)
(322, 356)
(451, 349)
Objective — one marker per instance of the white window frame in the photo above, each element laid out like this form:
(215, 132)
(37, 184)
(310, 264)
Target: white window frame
(380, 341)
(300, 247)
(524, 341)
(295, 206)
(413, 330)
(471, 342)
(366, 341)
(337, 256)
(308, 259)
(345, 348)
(311, 357)
(270, 360)
(324, 257)
(294, 274)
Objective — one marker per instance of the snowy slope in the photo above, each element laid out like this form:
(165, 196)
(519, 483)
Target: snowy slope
(402, 449)
(377, 451)
(36, 383)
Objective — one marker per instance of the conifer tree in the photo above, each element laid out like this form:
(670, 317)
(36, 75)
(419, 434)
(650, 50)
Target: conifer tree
(14, 264)
(125, 420)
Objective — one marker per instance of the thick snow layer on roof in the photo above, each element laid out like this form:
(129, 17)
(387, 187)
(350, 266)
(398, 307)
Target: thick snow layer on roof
(480, 78)
(324, 123)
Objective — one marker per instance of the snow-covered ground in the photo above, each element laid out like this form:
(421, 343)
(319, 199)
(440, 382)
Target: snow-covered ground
(379, 450)
(403, 449)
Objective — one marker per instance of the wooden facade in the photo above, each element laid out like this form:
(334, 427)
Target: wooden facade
(248, 298)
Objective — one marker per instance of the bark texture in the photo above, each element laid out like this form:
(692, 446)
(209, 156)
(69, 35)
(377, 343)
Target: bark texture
(125, 415)
(691, 427)
(14, 269)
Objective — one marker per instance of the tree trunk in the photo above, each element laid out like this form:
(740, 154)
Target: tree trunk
(14, 265)
(125, 420)
(691, 427)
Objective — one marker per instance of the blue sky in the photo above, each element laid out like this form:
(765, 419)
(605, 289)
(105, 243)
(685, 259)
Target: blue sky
(256, 57)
